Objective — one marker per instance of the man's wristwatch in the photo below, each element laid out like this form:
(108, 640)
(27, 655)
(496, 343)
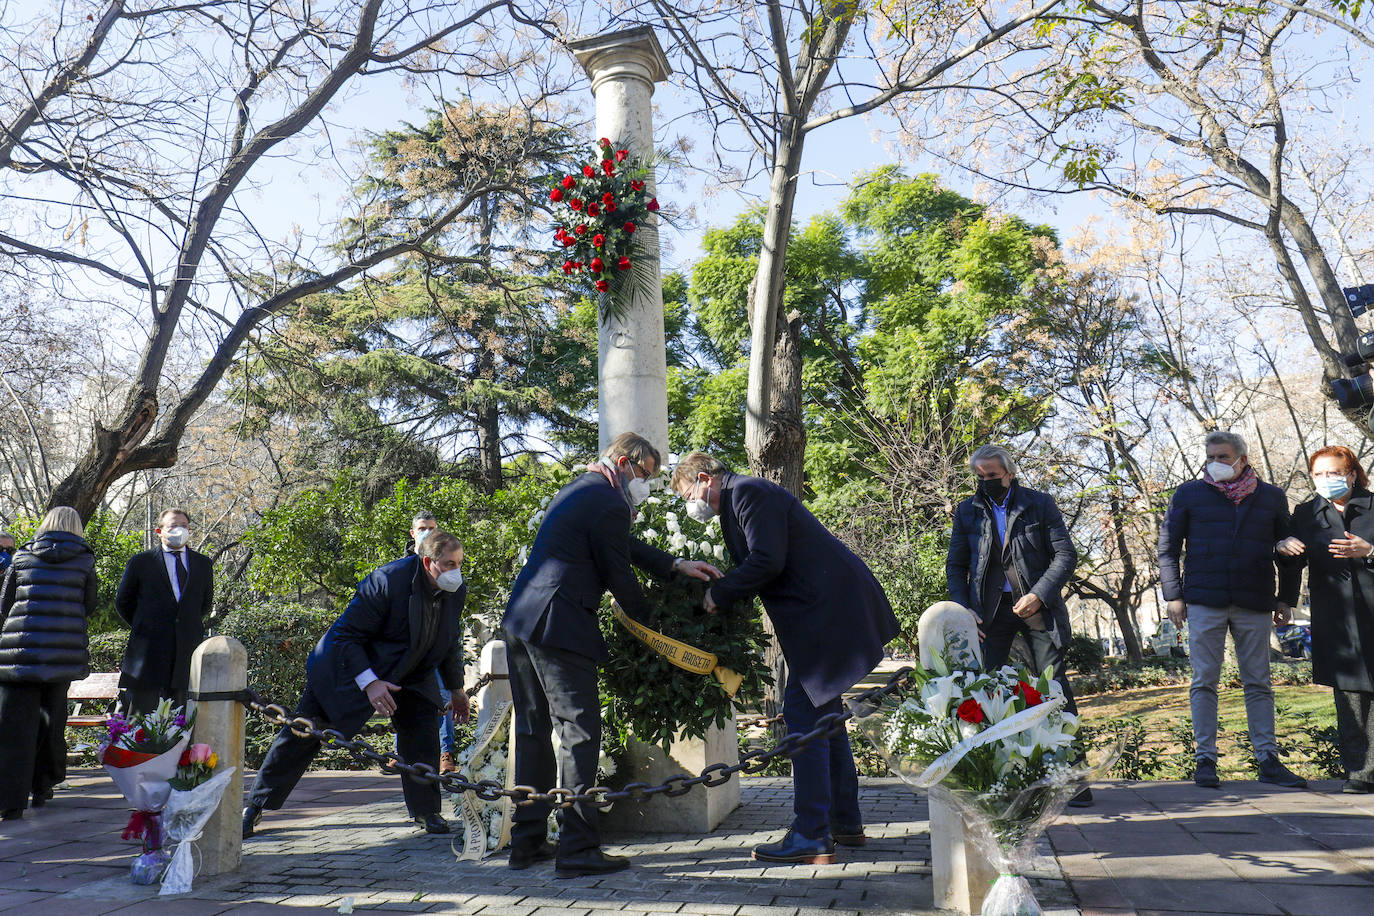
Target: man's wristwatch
(677, 562)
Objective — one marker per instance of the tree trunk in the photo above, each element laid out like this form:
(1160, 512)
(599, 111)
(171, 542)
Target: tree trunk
(489, 432)
(109, 456)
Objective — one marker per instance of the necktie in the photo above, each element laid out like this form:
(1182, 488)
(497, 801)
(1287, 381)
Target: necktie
(181, 574)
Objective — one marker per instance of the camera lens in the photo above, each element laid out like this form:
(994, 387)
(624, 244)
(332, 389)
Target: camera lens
(1354, 392)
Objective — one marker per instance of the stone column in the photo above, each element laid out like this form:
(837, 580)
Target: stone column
(960, 873)
(632, 367)
(221, 664)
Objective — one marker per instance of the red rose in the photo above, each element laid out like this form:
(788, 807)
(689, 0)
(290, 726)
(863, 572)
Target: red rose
(569, 241)
(624, 262)
(652, 205)
(140, 736)
(607, 197)
(598, 240)
(970, 711)
(597, 265)
(608, 167)
(1028, 693)
(569, 181)
(580, 228)
(556, 195)
(593, 209)
(602, 286)
(588, 171)
(567, 267)
(603, 142)
(628, 228)
(185, 758)
(610, 207)
(621, 155)
(637, 185)
(575, 203)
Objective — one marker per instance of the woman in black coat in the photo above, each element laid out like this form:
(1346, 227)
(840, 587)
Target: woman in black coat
(1333, 536)
(47, 594)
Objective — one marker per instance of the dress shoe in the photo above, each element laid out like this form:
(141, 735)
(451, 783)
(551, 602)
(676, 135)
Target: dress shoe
(1205, 773)
(848, 836)
(431, 823)
(252, 814)
(521, 859)
(12, 814)
(1355, 786)
(798, 849)
(41, 798)
(1273, 771)
(1084, 799)
(589, 862)
(446, 764)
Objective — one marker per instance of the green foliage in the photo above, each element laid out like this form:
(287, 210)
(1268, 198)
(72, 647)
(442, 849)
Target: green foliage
(113, 549)
(1084, 654)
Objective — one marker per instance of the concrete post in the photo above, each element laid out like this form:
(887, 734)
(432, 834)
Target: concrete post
(221, 664)
(632, 364)
(961, 875)
(498, 691)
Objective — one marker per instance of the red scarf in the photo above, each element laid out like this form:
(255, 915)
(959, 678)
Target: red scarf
(1236, 490)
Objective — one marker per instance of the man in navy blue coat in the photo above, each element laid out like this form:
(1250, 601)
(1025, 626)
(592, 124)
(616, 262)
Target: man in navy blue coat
(380, 657)
(554, 644)
(832, 620)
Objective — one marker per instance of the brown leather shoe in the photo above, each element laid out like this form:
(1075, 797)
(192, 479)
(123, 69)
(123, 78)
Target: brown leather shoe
(446, 764)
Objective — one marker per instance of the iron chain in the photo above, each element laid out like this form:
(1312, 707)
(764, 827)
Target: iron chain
(716, 774)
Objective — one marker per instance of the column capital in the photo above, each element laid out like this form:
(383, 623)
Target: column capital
(627, 54)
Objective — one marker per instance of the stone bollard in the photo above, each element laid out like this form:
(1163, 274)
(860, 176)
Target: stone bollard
(498, 691)
(221, 664)
(961, 875)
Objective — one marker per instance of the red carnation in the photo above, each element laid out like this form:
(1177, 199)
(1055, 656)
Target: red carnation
(628, 228)
(597, 265)
(621, 154)
(598, 240)
(580, 228)
(556, 195)
(1028, 693)
(637, 185)
(593, 209)
(602, 286)
(603, 142)
(623, 263)
(970, 711)
(608, 167)
(569, 241)
(652, 205)
(567, 267)
(575, 203)
(589, 171)
(569, 181)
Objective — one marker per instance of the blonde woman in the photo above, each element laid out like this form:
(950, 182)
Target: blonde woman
(47, 595)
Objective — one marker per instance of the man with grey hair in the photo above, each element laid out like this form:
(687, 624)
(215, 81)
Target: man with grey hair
(1224, 528)
(1010, 557)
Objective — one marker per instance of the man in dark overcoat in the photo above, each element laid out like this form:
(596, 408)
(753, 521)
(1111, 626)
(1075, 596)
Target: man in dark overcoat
(831, 618)
(165, 597)
(380, 657)
(554, 645)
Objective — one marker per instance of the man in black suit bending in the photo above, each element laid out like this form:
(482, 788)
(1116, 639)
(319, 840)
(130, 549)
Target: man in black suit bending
(832, 620)
(164, 597)
(583, 547)
(380, 656)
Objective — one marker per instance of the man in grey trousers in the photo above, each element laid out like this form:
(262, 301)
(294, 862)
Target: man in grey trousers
(1225, 527)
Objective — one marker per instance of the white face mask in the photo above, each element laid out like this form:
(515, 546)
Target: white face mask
(1221, 471)
(421, 534)
(638, 489)
(451, 581)
(700, 509)
(177, 537)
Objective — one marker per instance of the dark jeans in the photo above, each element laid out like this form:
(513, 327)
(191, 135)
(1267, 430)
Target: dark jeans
(1355, 728)
(417, 741)
(825, 784)
(554, 689)
(1003, 629)
(33, 743)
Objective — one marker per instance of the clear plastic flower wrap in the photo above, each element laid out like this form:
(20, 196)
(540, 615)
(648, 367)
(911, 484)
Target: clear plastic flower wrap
(185, 817)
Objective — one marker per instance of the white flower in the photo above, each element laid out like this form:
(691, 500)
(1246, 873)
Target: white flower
(653, 500)
(650, 534)
(523, 555)
(720, 551)
(606, 765)
(676, 542)
(671, 519)
(691, 546)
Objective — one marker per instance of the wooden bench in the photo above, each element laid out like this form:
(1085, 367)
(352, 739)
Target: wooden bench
(100, 686)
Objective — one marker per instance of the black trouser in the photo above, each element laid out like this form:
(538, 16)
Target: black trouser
(33, 743)
(1003, 628)
(1355, 729)
(417, 741)
(553, 688)
(136, 698)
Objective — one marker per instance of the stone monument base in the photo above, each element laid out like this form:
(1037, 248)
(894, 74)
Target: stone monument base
(961, 875)
(700, 810)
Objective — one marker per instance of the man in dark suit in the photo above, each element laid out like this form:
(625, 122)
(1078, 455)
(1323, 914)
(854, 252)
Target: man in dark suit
(380, 656)
(1010, 556)
(165, 597)
(832, 620)
(583, 547)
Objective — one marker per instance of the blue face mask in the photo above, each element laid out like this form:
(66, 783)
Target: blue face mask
(1333, 487)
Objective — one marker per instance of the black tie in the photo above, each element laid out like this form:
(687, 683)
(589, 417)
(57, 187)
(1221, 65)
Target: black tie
(181, 573)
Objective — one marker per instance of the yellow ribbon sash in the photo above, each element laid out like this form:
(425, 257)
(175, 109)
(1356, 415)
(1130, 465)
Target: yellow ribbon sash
(688, 658)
